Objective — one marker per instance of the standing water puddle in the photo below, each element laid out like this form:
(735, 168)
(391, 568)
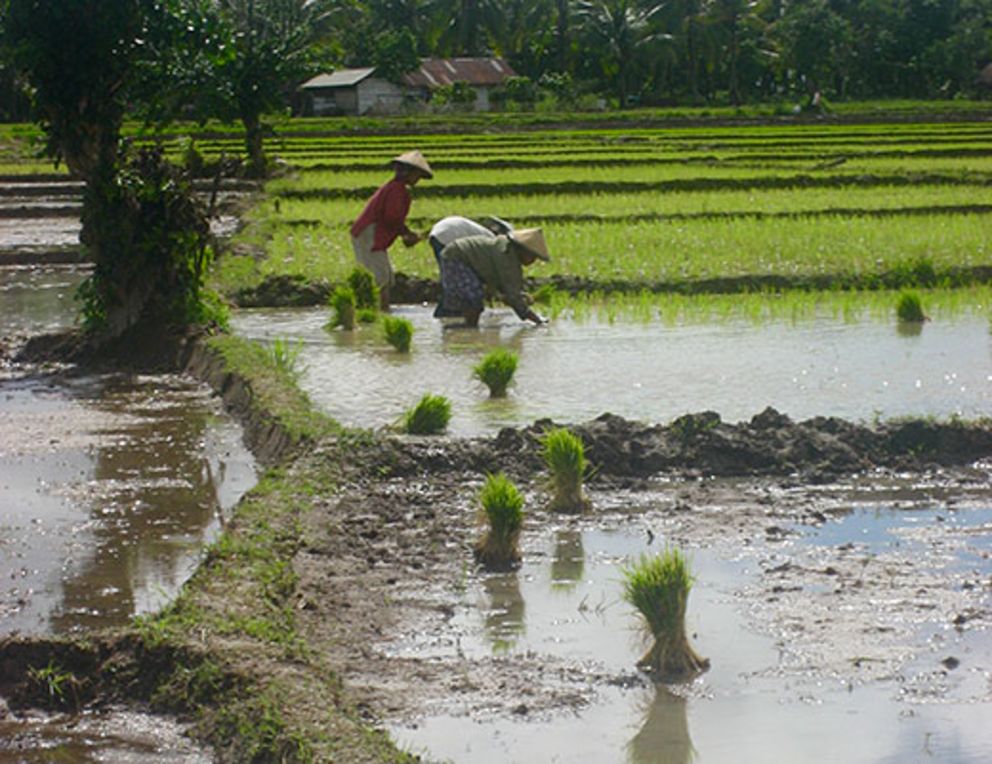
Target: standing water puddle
(110, 487)
(574, 371)
(566, 603)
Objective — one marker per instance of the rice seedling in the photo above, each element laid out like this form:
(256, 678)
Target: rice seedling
(564, 454)
(429, 417)
(909, 308)
(366, 291)
(342, 302)
(285, 356)
(496, 371)
(398, 332)
(502, 504)
(367, 315)
(659, 588)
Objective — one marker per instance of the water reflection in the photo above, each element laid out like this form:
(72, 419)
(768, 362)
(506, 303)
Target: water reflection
(568, 561)
(664, 734)
(505, 613)
(909, 328)
(114, 485)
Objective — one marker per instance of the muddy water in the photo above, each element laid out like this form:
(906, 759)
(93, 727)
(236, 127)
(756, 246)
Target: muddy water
(110, 488)
(573, 371)
(566, 603)
(35, 300)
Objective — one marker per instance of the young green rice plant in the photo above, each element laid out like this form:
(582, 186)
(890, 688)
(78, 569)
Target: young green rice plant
(398, 331)
(659, 588)
(909, 308)
(285, 356)
(503, 505)
(342, 302)
(564, 454)
(362, 283)
(429, 417)
(367, 315)
(496, 370)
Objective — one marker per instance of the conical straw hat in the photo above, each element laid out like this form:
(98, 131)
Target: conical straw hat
(532, 239)
(415, 159)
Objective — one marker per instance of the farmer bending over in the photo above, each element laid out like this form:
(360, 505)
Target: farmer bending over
(384, 219)
(454, 227)
(471, 264)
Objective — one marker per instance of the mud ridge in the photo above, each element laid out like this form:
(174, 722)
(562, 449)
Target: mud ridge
(770, 444)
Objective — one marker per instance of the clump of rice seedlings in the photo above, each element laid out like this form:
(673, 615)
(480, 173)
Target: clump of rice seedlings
(285, 356)
(429, 417)
(342, 302)
(503, 505)
(496, 370)
(564, 453)
(362, 283)
(659, 588)
(398, 331)
(909, 308)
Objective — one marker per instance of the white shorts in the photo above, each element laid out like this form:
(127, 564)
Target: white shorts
(377, 261)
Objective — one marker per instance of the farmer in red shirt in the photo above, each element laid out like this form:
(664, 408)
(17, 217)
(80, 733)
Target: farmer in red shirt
(384, 219)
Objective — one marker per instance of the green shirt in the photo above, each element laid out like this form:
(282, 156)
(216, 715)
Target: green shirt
(495, 261)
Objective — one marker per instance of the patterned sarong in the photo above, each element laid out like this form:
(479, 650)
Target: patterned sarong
(461, 289)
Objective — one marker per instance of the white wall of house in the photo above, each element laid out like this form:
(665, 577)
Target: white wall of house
(378, 97)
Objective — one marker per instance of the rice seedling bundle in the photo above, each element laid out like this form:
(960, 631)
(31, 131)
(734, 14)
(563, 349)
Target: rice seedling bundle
(429, 417)
(909, 308)
(564, 454)
(496, 371)
(343, 306)
(362, 282)
(658, 587)
(398, 332)
(502, 504)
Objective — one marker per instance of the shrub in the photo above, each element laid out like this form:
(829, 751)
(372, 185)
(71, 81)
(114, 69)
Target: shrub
(909, 309)
(342, 302)
(564, 453)
(398, 331)
(429, 417)
(496, 370)
(659, 588)
(503, 506)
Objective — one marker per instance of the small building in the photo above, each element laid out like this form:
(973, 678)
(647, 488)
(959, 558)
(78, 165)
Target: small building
(360, 91)
(349, 91)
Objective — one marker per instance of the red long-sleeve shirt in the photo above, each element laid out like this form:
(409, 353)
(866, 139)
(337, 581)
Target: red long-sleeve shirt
(388, 209)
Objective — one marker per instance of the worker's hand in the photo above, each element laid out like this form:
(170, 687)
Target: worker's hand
(410, 238)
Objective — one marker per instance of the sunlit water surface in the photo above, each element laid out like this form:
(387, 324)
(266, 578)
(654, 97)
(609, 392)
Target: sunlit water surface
(566, 602)
(573, 371)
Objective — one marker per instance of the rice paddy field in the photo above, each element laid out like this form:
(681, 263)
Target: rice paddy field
(812, 205)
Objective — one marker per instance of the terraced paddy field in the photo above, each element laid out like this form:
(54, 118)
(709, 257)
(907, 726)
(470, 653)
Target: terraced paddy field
(811, 205)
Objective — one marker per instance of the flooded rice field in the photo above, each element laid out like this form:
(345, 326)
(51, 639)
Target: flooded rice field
(111, 486)
(846, 622)
(573, 371)
(766, 697)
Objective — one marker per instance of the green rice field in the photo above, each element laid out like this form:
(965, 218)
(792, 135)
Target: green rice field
(808, 205)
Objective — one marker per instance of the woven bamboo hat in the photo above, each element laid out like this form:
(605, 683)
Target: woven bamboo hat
(532, 239)
(416, 160)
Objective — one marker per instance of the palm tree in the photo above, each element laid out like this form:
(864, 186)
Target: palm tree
(618, 30)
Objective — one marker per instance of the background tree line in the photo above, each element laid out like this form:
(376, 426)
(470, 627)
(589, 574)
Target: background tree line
(693, 51)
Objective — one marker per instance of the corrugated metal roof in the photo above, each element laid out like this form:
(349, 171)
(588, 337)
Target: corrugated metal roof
(342, 78)
(434, 72)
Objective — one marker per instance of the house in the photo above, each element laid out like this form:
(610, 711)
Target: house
(360, 91)
(349, 91)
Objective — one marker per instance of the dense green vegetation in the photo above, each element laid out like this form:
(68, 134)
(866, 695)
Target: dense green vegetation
(705, 208)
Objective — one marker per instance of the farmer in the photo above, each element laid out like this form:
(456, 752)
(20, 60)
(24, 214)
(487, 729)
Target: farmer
(471, 264)
(384, 219)
(454, 227)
